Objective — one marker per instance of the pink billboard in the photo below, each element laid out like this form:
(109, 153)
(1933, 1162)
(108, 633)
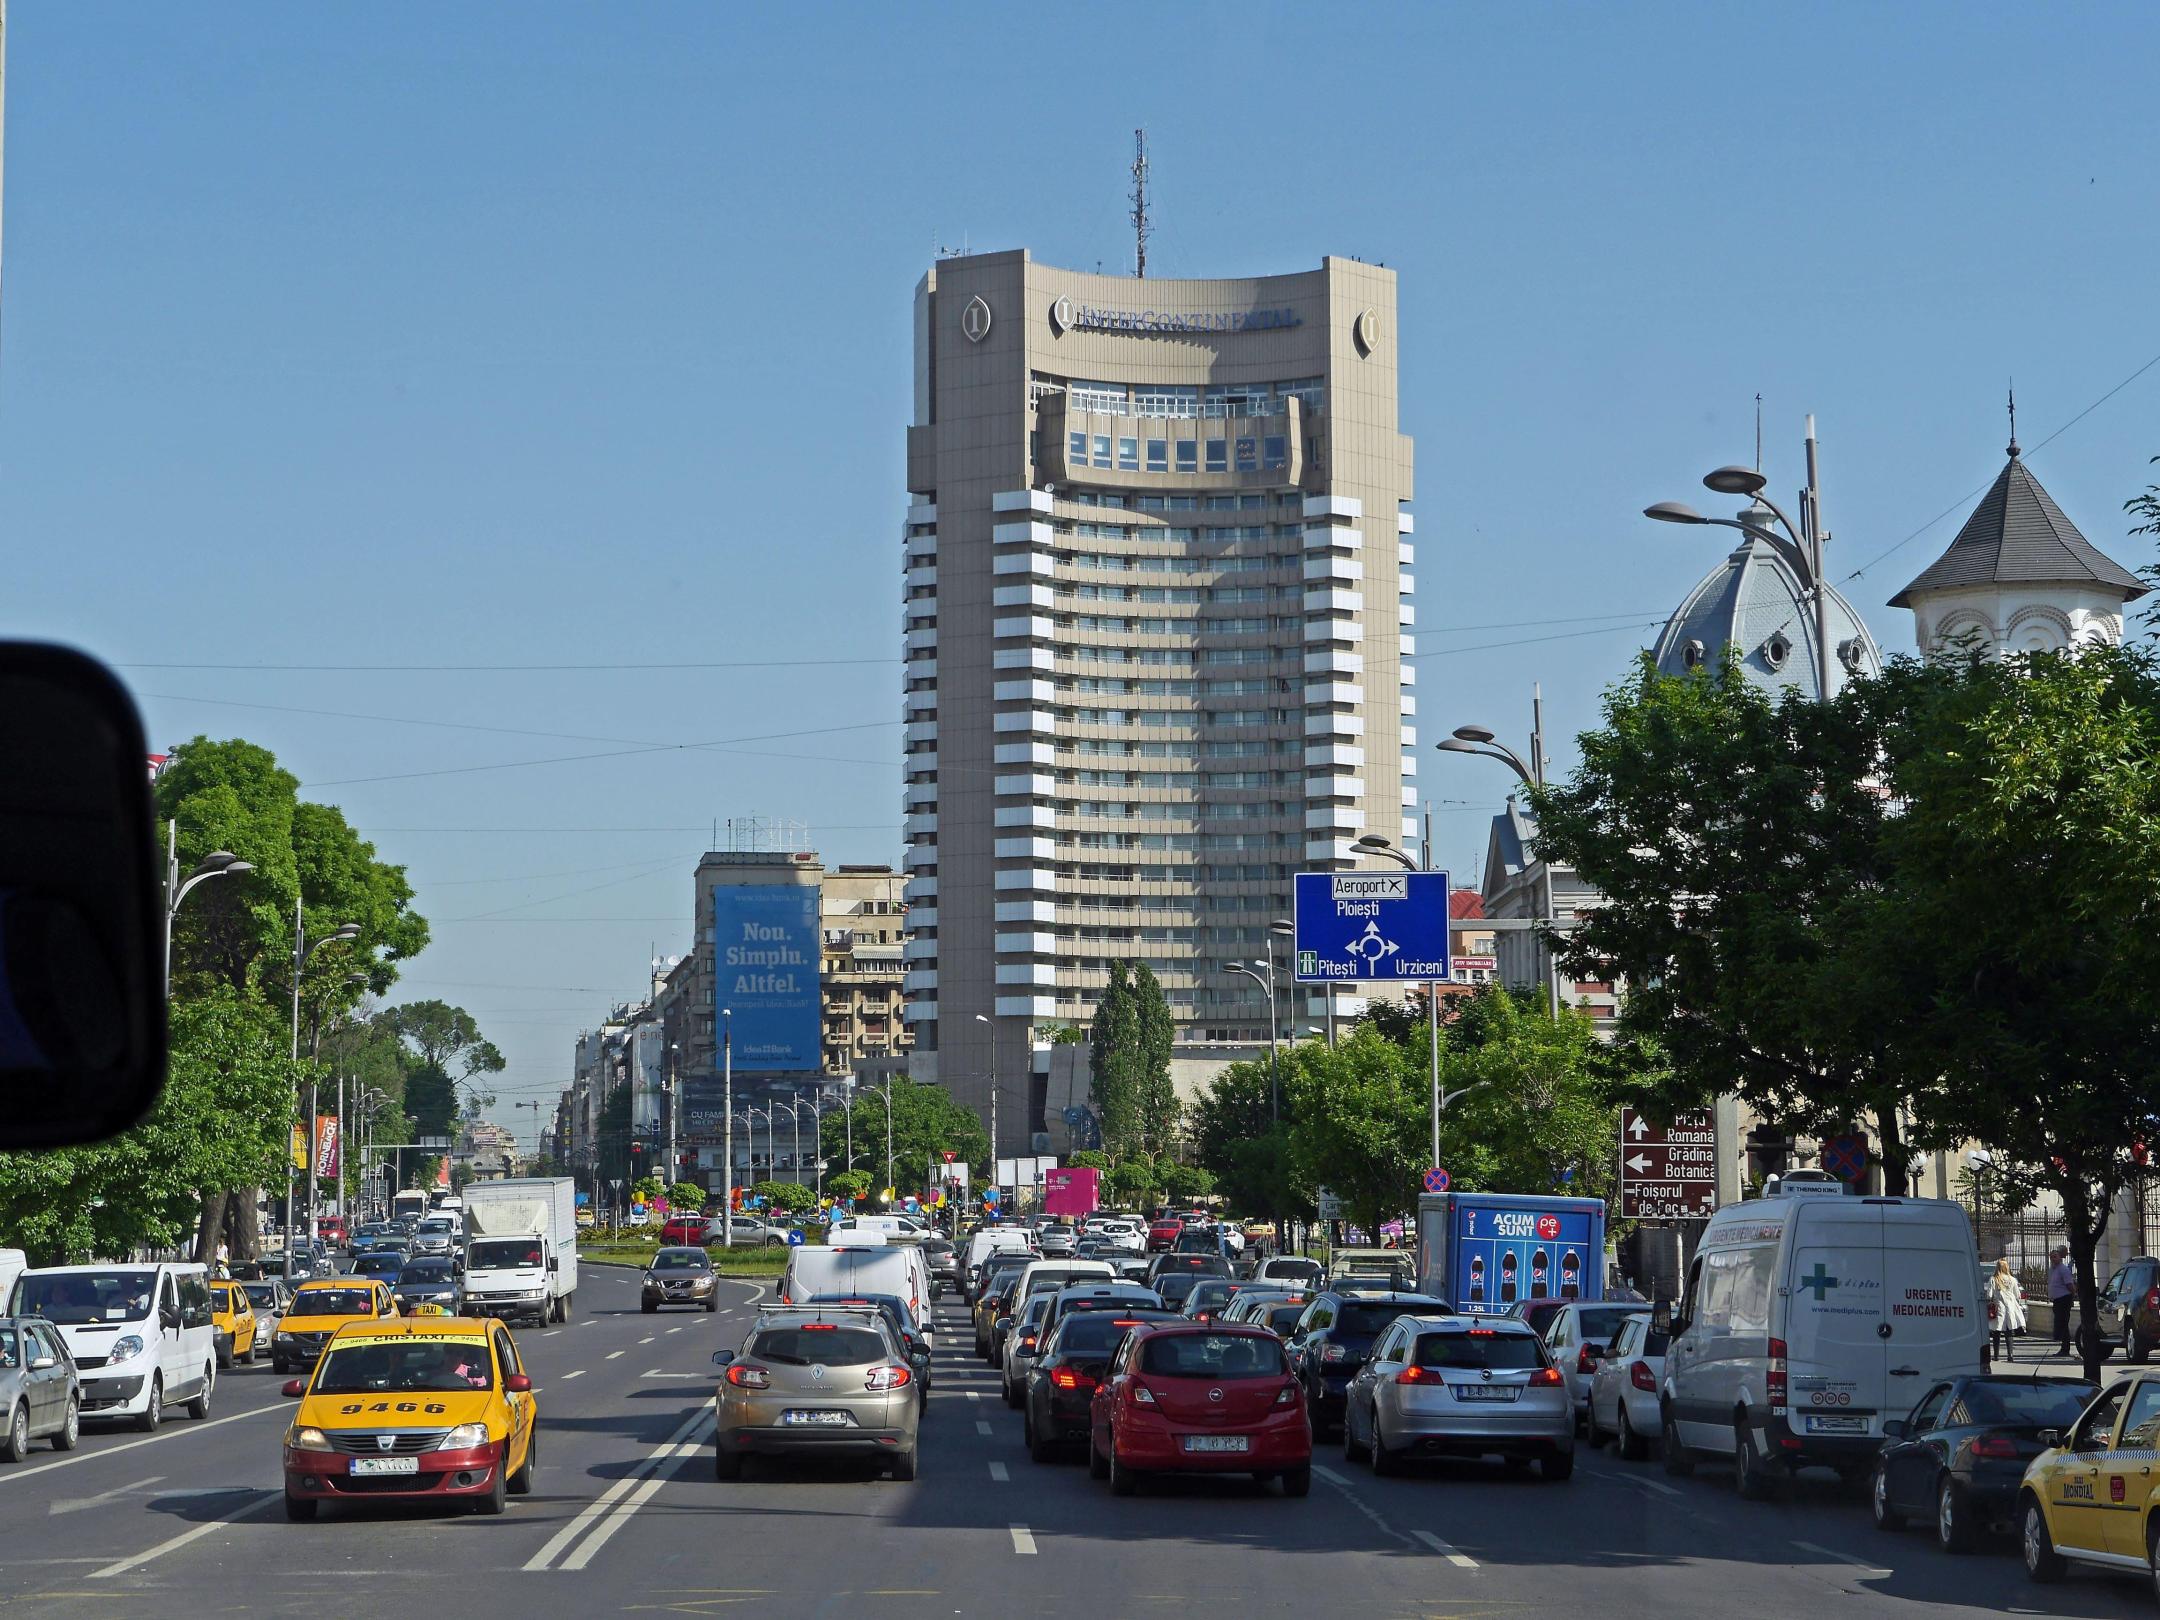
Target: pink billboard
(1072, 1192)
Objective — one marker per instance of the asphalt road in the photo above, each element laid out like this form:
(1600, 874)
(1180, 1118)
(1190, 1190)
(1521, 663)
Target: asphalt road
(628, 1518)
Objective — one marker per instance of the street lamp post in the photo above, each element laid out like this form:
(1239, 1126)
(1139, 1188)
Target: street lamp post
(303, 948)
(218, 863)
(1374, 844)
(1480, 742)
(727, 1128)
(1263, 974)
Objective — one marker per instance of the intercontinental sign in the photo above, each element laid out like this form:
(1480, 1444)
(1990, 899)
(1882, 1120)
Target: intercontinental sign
(1067, 316)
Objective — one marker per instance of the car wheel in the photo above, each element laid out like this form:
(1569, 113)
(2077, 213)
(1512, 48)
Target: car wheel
(1751, 1479)
(1953, 1524)
(903, 1465)
(70, 1434)
(1353, 1450)
(1886, 1516)
(1633, 1448)
(2042, 1562)
(2152, 1555)
(151, 1415)
(726, 1464)
(1098, 1464)
(712, 1304)
(1297, 1481)
(2135, 1349)
(1678, 1461)
(521, 1482)
(1123, 1481)
(15, 1444)
(199, 1407)
(497, 1500)
(647, 1307)
(278, 1365)
(223, 1355)
(1040, 1447)
(300, 1509)
(1386, 1462)
(1559, 1466)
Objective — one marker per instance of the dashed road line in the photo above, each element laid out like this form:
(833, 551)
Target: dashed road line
(981, 1426)
(999, 1473)
(596, 1510)
(580, 1373)
(181, 1540)
(1023, 1540)
(614, 1354)
(1832, 1553)
(648, 1339)
(1458, 1559)
(75, 1504)
(40, 1470)
(674, 1330)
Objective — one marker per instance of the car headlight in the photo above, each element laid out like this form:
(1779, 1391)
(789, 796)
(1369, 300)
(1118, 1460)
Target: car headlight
(465, 1437)
(306, 1439)
(127, 1347)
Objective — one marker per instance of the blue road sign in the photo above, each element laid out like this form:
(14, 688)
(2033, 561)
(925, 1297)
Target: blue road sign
(795, 1239)
(1438, 1180)
(1846, 1157)
(1387, 926)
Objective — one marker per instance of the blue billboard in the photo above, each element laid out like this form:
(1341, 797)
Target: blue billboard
(765, 956)
(1484, 1252)
(1354, 926)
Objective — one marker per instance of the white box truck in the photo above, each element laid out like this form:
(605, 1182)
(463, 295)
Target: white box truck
(521, 1248)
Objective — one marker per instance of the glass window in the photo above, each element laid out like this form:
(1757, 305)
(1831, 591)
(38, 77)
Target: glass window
(1158, 455)
(1078, 453)
(1188, 455)
(1277, 452)
(1248, 455)
(1128, 454)
(1208, 1355)
(1102, 449)
(2141, 1427)
(1496, 1350)
(416, 1366)
(2098, 1424)
(1218, 455)
(820, 1344)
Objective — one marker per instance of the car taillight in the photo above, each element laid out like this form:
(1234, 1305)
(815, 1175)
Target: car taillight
(1585, 1361)
(2152, 1299)
(1288, 1395)
(894, 1377)
(1027, 1345)
(1774, 1380)
(1641, 1377)
(1333, 1352)
(1143, 1395)
(1420, 1375)
(1545, 1378)
(743, 1377)
(821, 1327)
(1067, 1378)
(1995, 1445)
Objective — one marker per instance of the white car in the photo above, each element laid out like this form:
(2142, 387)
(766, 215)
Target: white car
(1623, 1390)
(1580, 1337)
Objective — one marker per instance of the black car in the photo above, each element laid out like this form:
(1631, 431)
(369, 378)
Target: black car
(1331, 1339)
(1958, 1458)
(1174, 1264)
(1206, 1297)
(427, 1281)
(1062, 1380)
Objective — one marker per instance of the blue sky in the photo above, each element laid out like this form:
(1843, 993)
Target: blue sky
(548, 335)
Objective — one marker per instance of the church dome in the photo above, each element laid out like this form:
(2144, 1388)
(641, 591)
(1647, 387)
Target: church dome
(1754, 601)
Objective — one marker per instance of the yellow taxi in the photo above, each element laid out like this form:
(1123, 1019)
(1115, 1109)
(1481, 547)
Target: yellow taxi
(319, 1309)
(427, 1407)
(234, 1319)
(2090, 1497)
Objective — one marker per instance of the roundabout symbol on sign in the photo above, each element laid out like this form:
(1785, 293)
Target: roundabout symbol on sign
(1372, 945)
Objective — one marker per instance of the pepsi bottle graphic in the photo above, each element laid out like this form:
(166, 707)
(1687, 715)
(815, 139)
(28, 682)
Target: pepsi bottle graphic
(1507, 1277)
(1537, 1274)
(1477, 1279)
(1570, 1275)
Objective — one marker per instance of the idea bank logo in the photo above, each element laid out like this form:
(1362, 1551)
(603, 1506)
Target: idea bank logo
(1548, 1226)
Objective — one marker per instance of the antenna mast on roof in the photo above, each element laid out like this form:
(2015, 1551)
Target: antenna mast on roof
(1139, 202)
(1758, 430)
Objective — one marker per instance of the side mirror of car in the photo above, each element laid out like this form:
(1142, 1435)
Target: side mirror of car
(1893, 1428)
(920, 1361)
(722, 1357)
(2050, 1438)
(295, 1387)
(554, 1264)
(1661, 1317)
(169, 1319)
(517, 1384)
(44, 1364)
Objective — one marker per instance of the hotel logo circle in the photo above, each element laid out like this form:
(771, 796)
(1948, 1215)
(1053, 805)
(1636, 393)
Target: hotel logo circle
(1061, 316)
(1366, 330)
(975, 319)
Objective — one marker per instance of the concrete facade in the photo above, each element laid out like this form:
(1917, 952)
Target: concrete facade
(1156, 600)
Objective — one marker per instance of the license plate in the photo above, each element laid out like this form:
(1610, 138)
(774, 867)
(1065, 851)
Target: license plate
(1485, 1392)
(819, 1420)
(1832, 1423)
(386, 1465)
(1218, 1442)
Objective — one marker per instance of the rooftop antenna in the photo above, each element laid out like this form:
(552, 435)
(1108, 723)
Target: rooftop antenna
(1139, 202)
(1758, 430)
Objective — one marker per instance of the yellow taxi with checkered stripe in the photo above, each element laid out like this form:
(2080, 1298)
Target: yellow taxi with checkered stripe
(2093, 1497)
(413, 1408)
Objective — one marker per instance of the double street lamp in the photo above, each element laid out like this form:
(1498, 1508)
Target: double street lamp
(1374, 844)
(1480, 743)
(1263, 974)
(303, 948)
(218, 863)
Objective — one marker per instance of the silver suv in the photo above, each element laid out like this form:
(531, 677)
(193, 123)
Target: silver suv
(830, 1379)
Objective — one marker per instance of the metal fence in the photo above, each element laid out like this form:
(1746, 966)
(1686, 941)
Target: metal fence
(2028, 1236)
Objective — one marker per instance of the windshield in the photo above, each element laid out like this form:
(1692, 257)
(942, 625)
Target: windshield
(263, 1296)
(680, 1260)
(818, 1346)
(377, 1265)
(1481, 1347)
(498, 1254)
(79, 1297)
(431, 1227)
(334, 1302)
(1371, 1318)
(1096, 1333)
(1212, 1355)
(426, 1271)
(2044, 1406)
(442, 1366)
(1600, 1323)
(1282, 1318)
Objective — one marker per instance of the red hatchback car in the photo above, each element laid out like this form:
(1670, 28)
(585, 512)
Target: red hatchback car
(1163, 1233)
(1200, 1399)
(686, 1230)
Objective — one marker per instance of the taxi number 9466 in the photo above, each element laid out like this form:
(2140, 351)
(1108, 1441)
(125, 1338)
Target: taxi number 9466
(386, 1406)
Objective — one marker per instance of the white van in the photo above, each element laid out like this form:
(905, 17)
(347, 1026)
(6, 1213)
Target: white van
(895, 1227)
(987, 1241)
(142, 1333)
(13, 1263)
(857, 1266)
(1805, 1322)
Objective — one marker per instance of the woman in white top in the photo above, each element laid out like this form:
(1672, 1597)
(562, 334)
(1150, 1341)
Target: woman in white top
(2006, 1308)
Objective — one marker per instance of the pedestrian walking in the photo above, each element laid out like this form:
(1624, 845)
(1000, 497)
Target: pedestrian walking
(2062, 1292)
(2005, 1308)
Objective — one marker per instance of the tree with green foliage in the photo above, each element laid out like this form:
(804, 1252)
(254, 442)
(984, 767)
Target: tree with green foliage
(1155, 1099)
(1237, 1136)
(1089, 1159)
(785, 1196)
(1187, 1183)
(1536, 1114)
(1135, 1180)
(1360, 1120)
(848, 1184)
(926, 1125)
(1113, 1063)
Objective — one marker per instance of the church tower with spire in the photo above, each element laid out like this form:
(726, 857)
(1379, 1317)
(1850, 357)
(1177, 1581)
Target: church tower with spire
(2019, 577)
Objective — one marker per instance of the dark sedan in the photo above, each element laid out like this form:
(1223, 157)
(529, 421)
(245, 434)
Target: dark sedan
(1331, 1339)
(429, 1281)
(679, 1275)
(1959, 1457)
(1061, 1383)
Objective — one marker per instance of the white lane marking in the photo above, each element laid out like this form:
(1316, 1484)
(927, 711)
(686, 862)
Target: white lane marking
(1639, 1480)
(1843, 1558)
(176, 1430)
(580, 1373)
(607, 1498)
(612, 1354)
(981, 1427)
(663, 1466)
(658, 1374)
(1329, 1475)
(1023, 1540)
(75, 1504)
(674, 1330)
(648, 1339)
(550, 1333)
(181, 1540)
(590, 1321)
(974, 1394)
(1459, 1560)
(999, 1473)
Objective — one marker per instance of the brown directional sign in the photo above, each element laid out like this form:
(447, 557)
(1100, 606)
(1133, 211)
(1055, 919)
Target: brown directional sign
(1667, 1172)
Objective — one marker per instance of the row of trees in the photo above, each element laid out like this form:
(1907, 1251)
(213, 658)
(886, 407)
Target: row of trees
(1129, 1046)
(1927, 905)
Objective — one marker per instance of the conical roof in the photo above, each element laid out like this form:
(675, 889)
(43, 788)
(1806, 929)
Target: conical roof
(2017, 535)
